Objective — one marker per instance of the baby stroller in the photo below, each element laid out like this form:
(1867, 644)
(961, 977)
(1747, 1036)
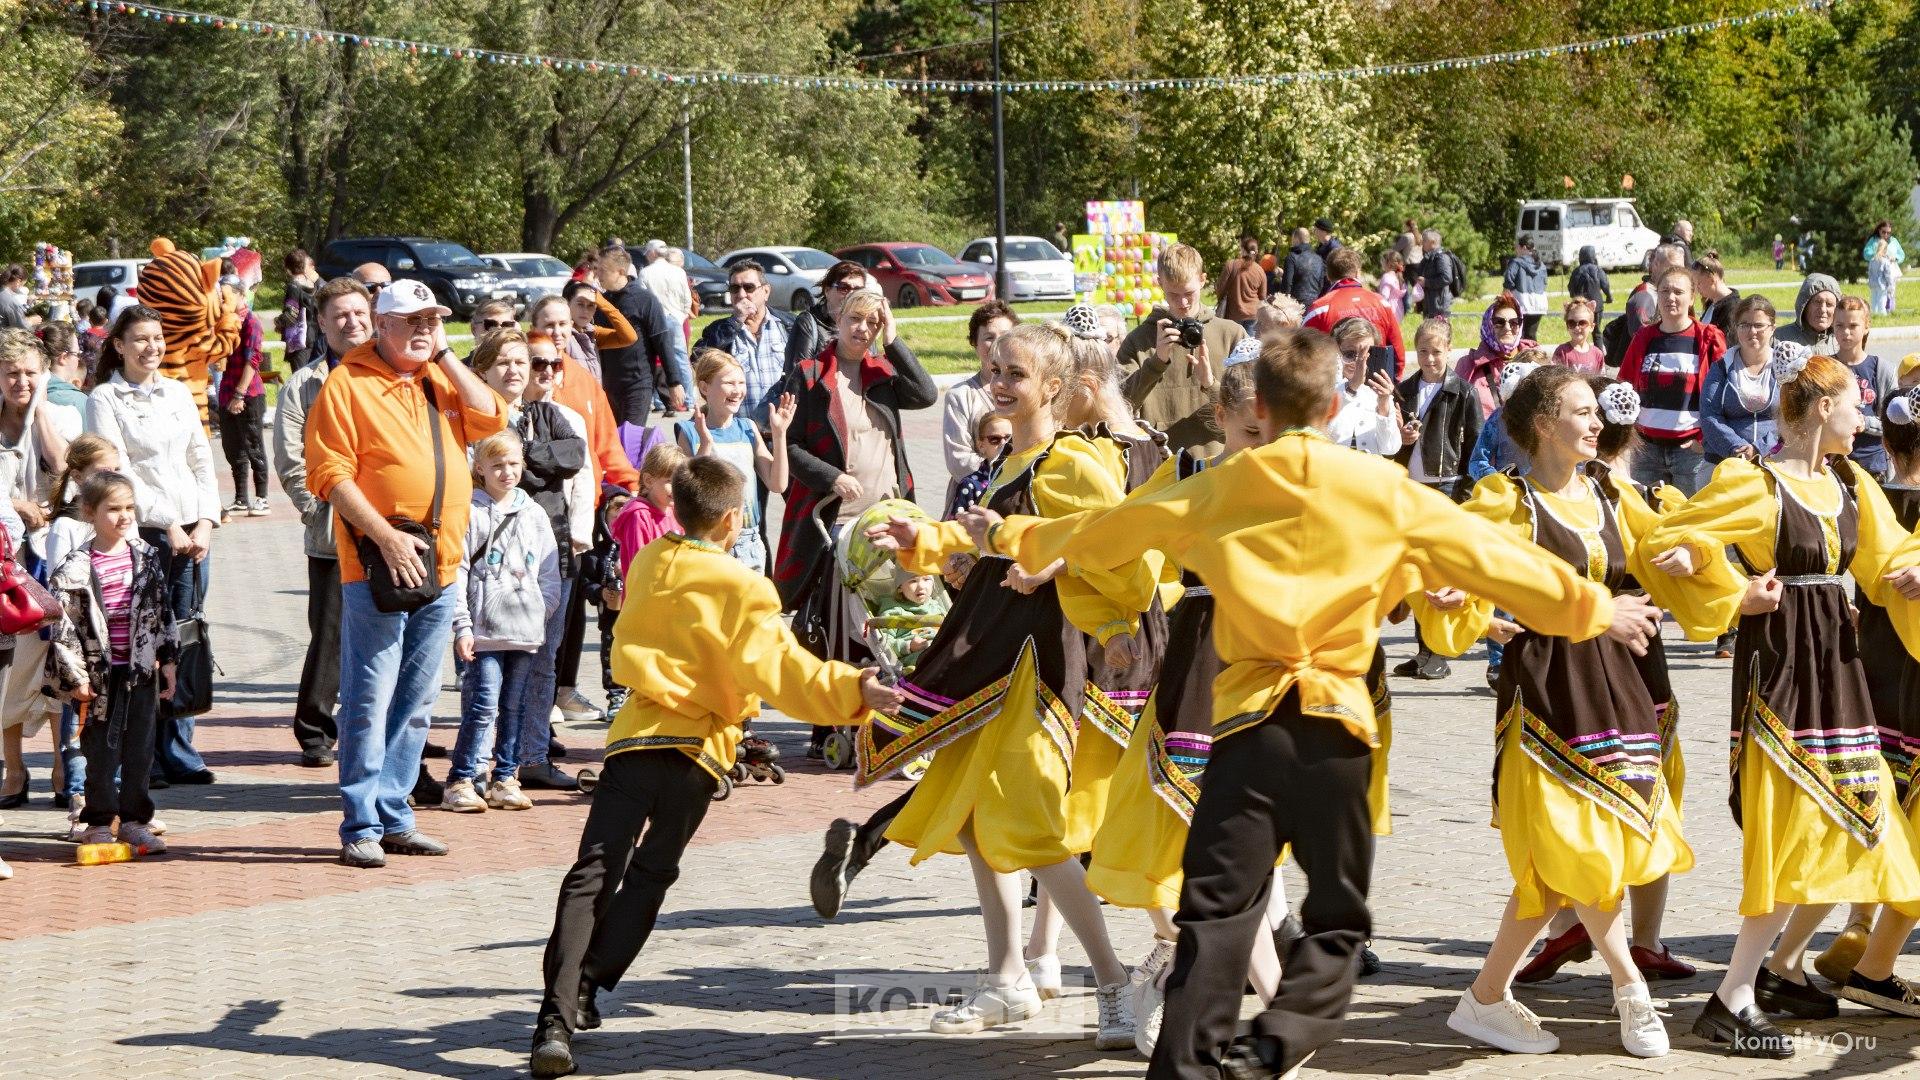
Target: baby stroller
(858, 626)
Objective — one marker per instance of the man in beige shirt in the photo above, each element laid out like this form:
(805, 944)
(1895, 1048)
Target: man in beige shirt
(1168, 384)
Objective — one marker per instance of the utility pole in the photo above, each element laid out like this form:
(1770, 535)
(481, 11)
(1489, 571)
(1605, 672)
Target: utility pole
(999, 166)
(686, 163)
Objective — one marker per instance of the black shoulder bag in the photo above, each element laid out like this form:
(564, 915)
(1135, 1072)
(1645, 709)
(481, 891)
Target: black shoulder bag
(193, 670)
(389, 595)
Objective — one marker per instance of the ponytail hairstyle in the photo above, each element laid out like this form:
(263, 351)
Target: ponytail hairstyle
(83, 453)
(110, 360)
(1805, 379)
(1095, 369)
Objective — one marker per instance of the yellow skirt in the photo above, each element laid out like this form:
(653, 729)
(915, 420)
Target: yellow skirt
(1096, 757)
(1006, 778)
(1560, 845)
(1141, 839)
(1791, 852)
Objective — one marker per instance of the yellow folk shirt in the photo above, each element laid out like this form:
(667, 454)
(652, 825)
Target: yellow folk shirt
(1078, 475)
(701, 643)
(1307, 546)
(1740, 508)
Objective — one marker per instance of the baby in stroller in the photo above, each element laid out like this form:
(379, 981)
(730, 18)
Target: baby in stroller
(894, 613)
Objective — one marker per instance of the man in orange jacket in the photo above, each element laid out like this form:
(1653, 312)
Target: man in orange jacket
(1347, 298)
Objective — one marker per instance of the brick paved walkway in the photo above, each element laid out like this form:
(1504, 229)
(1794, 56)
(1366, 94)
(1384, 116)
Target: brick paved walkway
(248, 952)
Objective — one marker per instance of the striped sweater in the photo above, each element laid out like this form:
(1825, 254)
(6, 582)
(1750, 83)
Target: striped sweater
(1669, 371)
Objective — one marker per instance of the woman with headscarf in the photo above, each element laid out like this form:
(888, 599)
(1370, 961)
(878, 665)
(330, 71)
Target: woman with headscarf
(1500, 338)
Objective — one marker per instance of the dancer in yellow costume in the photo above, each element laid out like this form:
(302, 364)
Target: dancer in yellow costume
(1000, 690)
(1579, 794)
(1303, 542)
(1820, 822)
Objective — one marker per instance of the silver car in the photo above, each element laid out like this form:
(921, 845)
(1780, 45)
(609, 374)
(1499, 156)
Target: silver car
(793, 273)
(1036, 270)
(530, 275)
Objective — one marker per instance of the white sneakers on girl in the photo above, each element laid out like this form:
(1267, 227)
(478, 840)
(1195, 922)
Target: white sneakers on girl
(1642, 1032)
(989, 1006)
(1045, 973)
(1149, 1001)
(506, 795)
(1505, 1024)
(1116, 1017)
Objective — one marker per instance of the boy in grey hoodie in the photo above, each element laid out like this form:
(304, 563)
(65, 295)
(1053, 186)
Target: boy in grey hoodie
(1814, 328)
(508, 583)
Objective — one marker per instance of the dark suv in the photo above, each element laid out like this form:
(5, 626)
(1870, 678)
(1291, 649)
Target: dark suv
(456, 275)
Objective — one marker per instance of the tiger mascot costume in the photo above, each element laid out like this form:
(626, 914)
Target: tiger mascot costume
(200, 317)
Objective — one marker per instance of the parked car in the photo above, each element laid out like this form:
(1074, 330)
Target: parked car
(914, 274)
(456, 276)
(1561, 227)
(530, 274)
(89, 277)
(793, 273)
(709, 282)
(1036, 270)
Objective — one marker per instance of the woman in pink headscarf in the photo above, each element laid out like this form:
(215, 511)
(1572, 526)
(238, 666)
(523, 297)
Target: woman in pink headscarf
(1500, 338)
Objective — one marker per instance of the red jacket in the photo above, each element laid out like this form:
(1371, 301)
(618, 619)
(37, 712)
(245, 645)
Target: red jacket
(1348, 298)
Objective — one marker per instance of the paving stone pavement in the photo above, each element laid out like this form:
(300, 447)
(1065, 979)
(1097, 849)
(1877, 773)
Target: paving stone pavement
(247, 952)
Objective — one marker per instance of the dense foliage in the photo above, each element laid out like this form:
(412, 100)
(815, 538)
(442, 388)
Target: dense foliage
(128, 128)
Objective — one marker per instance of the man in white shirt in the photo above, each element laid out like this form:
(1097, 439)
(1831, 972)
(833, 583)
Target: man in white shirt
(668, 284)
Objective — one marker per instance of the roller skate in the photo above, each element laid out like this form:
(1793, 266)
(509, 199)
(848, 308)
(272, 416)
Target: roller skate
(758, 760)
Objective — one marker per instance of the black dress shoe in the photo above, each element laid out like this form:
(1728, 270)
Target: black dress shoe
(157, 783)
(15, 800)
(316, 759)
(433, 750)
(556, 750)
(1246, 1059)
(1749, 1031)
(198, 776)
(552, 1050)
(589, 1008)
(1802, 1001)
(62, 801)
(426, 790)
(546, 776)
(1369, 962)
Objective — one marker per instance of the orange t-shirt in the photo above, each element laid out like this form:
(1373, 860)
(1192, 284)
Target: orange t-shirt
(581, 392)
(369, 425)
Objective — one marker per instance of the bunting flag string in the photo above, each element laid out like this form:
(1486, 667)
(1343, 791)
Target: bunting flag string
(846, 81)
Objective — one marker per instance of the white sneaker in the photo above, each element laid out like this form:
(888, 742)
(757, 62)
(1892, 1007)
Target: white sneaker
(1045, 973)
(1505, 1024)
(574, 706)
(460, 798)
(1149, 1001)
(139, 836)
(97, 834)
(1642, 1032)
(157, 827)
(1116, 1017)
(6, 872)
(988, 1006)
(506, 795)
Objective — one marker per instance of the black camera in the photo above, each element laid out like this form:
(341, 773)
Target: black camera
(1192, 332)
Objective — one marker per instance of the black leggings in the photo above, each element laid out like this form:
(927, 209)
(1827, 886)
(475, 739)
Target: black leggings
(243, 438)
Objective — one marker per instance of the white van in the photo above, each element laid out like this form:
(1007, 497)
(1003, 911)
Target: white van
(1559, 228)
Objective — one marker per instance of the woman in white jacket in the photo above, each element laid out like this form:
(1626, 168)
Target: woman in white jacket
(153, 421)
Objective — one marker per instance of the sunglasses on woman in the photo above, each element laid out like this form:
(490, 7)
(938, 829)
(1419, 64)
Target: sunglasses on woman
(496, 324)
(1511, 324)
(541, 363)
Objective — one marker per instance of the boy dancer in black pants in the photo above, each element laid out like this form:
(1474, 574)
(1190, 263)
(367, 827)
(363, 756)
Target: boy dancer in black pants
(701, 642)
(1307, 546)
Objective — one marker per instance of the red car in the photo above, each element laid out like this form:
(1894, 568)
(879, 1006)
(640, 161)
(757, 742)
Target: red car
(915, 274)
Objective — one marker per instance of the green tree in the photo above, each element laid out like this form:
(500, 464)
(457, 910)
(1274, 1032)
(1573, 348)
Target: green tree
(57, 126)
(1845, 167)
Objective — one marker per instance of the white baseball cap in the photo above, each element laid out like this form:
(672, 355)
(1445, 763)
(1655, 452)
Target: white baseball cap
(653, 246)
(405, 296)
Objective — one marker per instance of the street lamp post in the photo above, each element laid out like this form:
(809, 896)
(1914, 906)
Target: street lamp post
(999, 166)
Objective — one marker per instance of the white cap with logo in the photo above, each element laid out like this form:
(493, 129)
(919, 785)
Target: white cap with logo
(405, 296)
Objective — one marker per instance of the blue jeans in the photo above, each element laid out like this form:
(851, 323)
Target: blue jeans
(1685, 467)
(492, 696)
(389, 679)
(173, 753)
(536, 716)
(72, 760)
(751, 550)
(677, 363)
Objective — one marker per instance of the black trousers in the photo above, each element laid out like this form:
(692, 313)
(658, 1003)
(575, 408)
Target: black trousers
(1289, 779)
(118, 760)
(611, 897)
(871, 837)
(631, 398)
(243, 437)
(1530, 327)
(320, 674)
